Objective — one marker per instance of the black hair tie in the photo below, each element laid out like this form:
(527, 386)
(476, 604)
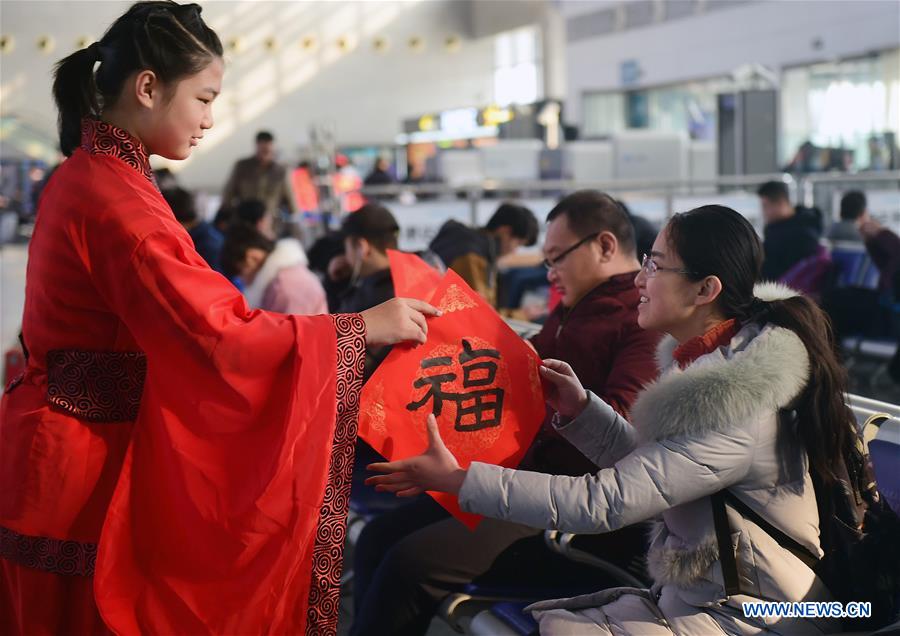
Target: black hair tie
(759, 307)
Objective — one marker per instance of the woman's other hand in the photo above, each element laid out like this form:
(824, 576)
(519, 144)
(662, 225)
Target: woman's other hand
(562, 388)
(436, 469)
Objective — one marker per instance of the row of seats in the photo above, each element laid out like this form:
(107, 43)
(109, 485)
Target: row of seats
(872, 332)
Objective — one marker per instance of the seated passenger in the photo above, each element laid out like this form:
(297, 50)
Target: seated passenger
(852, 301)
(252, 212)
(368, 234)
(321, 253)
(362, 273)
(207, 239)
(380, 174)
(790, 235)
(735, 356)
(853, 208)
(274, 274)
(406, 561)
(223, 219)
(473, 253)
(883, 247)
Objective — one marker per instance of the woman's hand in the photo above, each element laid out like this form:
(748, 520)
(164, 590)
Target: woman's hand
(398, 320)
(435, 469)
(562, 388)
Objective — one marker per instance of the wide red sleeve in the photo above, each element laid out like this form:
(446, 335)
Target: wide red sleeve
(229, 515)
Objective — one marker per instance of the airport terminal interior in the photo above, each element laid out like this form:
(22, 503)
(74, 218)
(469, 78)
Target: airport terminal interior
(692, 205)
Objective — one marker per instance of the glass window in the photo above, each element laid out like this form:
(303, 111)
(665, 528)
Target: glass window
(517, 67)
(688, 108)
(851, 104)
(602, 114)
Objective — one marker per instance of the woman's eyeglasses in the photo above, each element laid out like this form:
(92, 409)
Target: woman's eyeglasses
(651, 268)
(550, 263)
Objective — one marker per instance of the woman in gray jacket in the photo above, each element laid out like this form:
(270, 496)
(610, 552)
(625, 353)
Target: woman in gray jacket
(736, 360)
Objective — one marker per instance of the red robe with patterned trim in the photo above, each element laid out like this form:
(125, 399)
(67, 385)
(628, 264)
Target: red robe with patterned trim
(171, 459)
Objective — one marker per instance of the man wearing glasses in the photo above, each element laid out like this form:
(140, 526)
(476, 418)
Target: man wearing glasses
(591, 260)
(408, 560)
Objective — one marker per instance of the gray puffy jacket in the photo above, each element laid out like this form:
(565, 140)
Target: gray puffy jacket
(696, 431)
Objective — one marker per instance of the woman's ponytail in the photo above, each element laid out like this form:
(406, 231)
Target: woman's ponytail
(825, 422)
(75, 92)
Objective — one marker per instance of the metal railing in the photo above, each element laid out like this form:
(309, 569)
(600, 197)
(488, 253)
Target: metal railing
(802, 186)
(868, 406)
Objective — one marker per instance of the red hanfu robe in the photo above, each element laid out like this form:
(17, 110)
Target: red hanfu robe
(169, 454)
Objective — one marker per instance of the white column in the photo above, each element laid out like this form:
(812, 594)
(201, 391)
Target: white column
(553, 51)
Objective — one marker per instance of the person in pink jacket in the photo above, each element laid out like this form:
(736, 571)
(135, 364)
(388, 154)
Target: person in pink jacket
(275, 274)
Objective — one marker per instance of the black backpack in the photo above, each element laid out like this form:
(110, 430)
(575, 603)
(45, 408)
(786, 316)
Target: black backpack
(859, 534)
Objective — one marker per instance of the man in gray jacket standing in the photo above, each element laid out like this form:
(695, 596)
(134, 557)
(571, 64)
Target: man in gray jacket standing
(262, 178)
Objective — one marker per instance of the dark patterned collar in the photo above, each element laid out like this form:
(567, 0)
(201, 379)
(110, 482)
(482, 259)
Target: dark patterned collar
(100, 138)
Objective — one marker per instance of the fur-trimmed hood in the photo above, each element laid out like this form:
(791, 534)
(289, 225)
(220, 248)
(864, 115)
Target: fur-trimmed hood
(761, 370)
(288, 252)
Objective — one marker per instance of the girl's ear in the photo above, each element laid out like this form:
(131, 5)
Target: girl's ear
(147, 88)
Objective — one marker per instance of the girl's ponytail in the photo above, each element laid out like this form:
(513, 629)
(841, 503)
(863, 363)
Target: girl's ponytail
(170, 39)
(75, 92)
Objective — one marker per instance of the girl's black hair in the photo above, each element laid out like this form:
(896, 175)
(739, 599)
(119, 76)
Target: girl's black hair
(168, 38)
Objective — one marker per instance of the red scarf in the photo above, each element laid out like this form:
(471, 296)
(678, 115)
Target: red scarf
(698, 346)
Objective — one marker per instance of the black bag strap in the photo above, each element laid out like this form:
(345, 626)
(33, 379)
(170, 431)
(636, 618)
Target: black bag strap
(723, 537)
(726, 549)
(788, 543)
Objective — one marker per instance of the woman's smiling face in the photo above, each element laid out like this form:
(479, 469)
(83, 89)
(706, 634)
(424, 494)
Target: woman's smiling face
(667, 297)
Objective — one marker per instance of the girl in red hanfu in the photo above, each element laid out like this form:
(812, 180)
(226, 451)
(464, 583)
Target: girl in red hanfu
(170, 461)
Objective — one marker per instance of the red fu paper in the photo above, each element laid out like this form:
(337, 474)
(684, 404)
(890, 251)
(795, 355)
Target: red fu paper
(474, 373)
(413, 277)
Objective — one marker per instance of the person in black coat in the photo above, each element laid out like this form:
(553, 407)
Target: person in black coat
(791, 233)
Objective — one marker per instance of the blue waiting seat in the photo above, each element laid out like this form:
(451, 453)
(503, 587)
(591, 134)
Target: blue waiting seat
(504, 619)
(497, 603)
(556, 564)
(853, 267)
